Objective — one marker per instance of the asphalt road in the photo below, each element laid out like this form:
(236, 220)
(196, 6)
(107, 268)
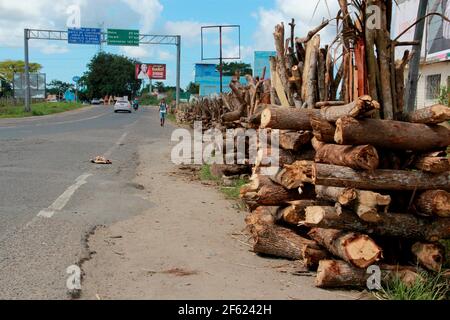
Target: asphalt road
(51, 196)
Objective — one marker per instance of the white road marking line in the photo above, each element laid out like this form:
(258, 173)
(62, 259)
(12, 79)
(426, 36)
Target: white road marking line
(63, 199)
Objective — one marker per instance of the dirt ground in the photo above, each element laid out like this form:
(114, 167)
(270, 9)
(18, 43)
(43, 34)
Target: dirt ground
(189, 244)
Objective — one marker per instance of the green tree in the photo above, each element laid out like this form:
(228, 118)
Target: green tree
(193, 88)
(58, 87)
(230, 68)
(110, 74)
(9, 67)
(159, 85)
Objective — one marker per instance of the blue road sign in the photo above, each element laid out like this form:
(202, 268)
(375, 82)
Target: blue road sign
(85, 35)
(76, 79)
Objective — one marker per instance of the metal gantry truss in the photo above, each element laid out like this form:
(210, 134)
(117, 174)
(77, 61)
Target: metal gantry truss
(62, 35)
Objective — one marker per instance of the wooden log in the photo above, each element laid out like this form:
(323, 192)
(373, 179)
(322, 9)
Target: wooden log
(322, 104)
(281, 61)
(268, 156)
(406, 226)
(367, 204)
(220, 170)
(294, 175)
(363, 106)
(400, 83)
(321, 70)
(357, 249)
(285, 243)
(294, 140)
(357, 157)
(430, 115)
(338, 176)
(322, 129)
(340, 274)
(262, 191)
(261, 216)
(295, 212)
(436, 162)
(287, 118)
(434, 203)
(429, 255)
(309, 94)
(391, 134)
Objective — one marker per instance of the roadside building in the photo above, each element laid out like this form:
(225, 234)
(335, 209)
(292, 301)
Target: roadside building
(434, 71)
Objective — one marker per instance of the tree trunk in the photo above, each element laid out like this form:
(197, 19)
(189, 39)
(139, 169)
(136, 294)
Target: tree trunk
(388, 134)
(285, 243)
(357, 249)
(287, 118)
(436, 162)
(366, 204)
(363, 106)
(281, 61)
(261, 217)
(309, 89)
(434, 203)
(294, 140)
(430, 115)
(356, 157)
(323, 104)
(322, 129)
(261, 191)
(295, 213)
(429, 255)
(337, 176)
(406, 226)
(339, 274)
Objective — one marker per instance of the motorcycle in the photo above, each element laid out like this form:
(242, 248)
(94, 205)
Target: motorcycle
(135, 105)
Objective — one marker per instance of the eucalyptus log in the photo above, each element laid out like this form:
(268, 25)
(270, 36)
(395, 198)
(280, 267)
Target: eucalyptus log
(434, 203)
(430, 115)
(357, 249)
(285, 243)
(322, 129)
(262, 191)
(294, 140)
(391, 134)
(429, 255)
(287, 118)
(364, 106)
(357, 157)
(295, 212)
(340, 274)
(338, 176)
(406, 226)
(436, 162)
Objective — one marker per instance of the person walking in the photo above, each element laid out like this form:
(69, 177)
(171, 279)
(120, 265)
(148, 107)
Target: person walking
(162, 112)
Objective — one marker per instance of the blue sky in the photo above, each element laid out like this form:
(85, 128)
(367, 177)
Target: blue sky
(257, 19)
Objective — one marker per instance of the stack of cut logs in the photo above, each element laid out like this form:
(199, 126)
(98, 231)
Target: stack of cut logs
(360, 182)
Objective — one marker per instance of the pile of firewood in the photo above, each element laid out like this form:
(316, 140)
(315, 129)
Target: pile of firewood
(360, 182)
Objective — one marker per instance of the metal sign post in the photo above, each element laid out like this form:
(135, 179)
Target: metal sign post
(144, 39)
(221, 58)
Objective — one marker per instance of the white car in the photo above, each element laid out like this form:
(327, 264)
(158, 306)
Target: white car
(122, 105)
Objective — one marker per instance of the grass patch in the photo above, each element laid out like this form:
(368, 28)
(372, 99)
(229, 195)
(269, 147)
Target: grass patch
(233, 191)
(206, 175)
(171, 117)
(430, 287)
(446, 244)
(38, 109)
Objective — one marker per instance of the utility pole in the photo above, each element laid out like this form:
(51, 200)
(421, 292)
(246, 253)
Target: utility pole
(27, 73)
(221, 60)
(414, 65)
(178, 70)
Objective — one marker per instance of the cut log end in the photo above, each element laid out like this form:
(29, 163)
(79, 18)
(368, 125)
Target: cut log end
(266, 116)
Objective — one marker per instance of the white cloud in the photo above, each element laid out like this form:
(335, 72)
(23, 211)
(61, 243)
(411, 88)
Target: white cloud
(190, 31)
(307, 15)
(165, 55)
(136, 52)
(148, 10)
(54, 49)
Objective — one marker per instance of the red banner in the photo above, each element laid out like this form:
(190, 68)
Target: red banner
(147, 71)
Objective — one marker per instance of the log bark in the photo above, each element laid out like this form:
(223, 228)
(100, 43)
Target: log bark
(287, 118)
(356, 157)
(285, 243)
(362, 107)
(295, 212)
(390, 134)
(309, 89)
(260, 217)
(430, 115)
(281, 61)
(429, 255)
(338, 176)
(262, 191)
(339, 274)
(436, 162)
(406, 226)
(434, 203)
(322, 104)
(294, 175)
(322, 129)
(357, 249)
(294, 140)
